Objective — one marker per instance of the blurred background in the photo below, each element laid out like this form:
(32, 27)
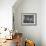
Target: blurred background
(16, 7)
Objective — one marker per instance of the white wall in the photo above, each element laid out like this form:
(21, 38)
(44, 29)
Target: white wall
(37, 33)
(43, 22)
(31, 32)
(6, 13)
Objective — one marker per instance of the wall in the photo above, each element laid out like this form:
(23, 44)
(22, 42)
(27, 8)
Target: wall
(33, 31)
(6, 13)
(30, 32)
(43, 22)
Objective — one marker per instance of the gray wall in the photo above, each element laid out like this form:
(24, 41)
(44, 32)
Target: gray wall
(29, 32)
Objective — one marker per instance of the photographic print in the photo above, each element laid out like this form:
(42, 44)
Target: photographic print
(29, 19)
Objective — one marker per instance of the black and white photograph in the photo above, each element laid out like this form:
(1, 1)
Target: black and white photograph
(29, 19)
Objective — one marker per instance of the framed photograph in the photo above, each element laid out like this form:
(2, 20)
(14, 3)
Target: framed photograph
(29, 19)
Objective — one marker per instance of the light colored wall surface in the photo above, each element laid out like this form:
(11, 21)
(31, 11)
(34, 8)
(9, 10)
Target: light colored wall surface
(31, 32)
(6, 13)
(6, 16)
(43, 22)
(36, 33)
